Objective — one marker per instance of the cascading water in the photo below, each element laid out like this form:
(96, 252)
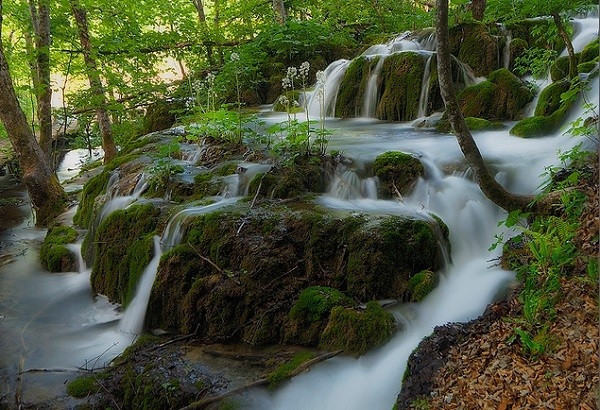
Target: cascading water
(333, 77)
(424, 98)
(370, 99)
(116, 201)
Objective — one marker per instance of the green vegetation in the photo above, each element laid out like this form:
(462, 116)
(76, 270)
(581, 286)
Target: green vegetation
(284, 371)
(350, 101)
(421, 285)
(54, 255)
(397, 172)
(478, 124)
(84, 386)
(356, 331)
(92, 189)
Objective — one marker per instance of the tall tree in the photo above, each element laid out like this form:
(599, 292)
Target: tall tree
(478, 9)
(96, 87)
(40, 21)
(47, 196)
(280, 13)
(490, 187)
(204, 26)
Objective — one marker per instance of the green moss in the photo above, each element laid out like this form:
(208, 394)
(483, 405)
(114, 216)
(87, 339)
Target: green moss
(206, 184)
(540, 126)
(349, 102)
(54, 255)
(229, 168)
(291, 96)
(590, 52)
(284, 371)
(124, 246)
(315, 303)
(529, 30)
(560, 68)
(501, 97)
(589, 66)
(400, 87)
(516, 49)
(357, 331)
(421, 285)
(478, 124)
(396, 169)
(549, 101)
(474, 45)
(91, 190)
(133, 144)
(83, 387)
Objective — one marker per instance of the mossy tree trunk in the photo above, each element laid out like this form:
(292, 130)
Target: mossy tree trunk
(478, 9)
(80, 15)
(562, 32)
(40, 20)
(280, 13)
(47, 196)
(490, 187)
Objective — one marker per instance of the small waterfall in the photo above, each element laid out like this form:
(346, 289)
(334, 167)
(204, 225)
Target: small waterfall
(428, 40)
(506, 50)
(424, 98)
(347, 185)
(333, 78)
(133, 320)
(75, 248)
(117, 202)
(370, 99)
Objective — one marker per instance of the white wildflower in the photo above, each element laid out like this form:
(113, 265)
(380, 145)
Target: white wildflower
(210, 77)
(283, 100)
(286, 83)
(320, 77)
(304, 69)
(235, 56)
(292, 72)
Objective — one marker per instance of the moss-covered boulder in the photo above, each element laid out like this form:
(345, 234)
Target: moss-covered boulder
(240, 271)
(397, 171)
(355, 331)
(123, 249)
(590, 52)
(400, 87)
(501, 97)
(435, 101)
(422, 284)
(305, 174)
(516, 49)
(478, 124)
(549, 100)
(91, 190)
(589, 66)
(530, 31)
(308, 317)
(559, 68)
(474, 45)
(350, 97)
(160, 116)
(54, 255)
(540, 126)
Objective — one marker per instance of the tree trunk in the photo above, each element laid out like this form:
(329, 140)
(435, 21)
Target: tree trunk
(40, 19)
(562, 32)
(47, 196)
(489, 186)
(80, 15)
(204, 26)
(478, 9)
(280, 13)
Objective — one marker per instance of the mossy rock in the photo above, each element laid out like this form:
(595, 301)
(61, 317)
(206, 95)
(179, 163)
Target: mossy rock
(478, 124)
(54, 255)
(549, 100)
(84, 386)
(516, 49)
(305, 174)
(265, 257)
(590, 52)
(501, 97)
(356, 331)
(475, 46)
(160, 116)
(396, 170)
(588, 67)
(422, 284)
(124, 247)
(291, 96)
(528, 30)
(206, 184)
(308, 316)
(349, 102)
(285, 370)
(95, 187)
(435, 102)
(540, 126)
(560, 68)
(400, 86)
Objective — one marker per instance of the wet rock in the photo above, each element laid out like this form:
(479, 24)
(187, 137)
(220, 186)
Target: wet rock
(397, 172)
(474, 45)
(350, 98)
(54, 255)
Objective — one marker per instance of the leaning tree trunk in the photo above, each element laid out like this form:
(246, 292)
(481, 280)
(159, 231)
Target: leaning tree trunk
(478, 9)
(80, 15)
(280, 13)
(47, 196)
(562, 32)
(40, 19)
(489, 186)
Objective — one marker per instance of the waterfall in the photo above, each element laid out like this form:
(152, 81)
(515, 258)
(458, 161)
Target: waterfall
(370, 99)
(117, 202)
(424, 97)
(75, 248)
(334, 74)
(506, 50)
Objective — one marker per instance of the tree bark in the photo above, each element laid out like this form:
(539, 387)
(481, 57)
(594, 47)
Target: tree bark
(204, 26)
(80, 15)
(40, 19)
(280, 13)
(489, 186)
(47, 196)
(562, 32)
(478, 9)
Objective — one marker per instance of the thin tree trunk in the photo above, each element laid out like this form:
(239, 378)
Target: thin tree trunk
(478, 9)
(40, 19)
(280, 13)
(80, 15)
(47, 196)
(490, 187)
(204, 26)
(562, 32)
